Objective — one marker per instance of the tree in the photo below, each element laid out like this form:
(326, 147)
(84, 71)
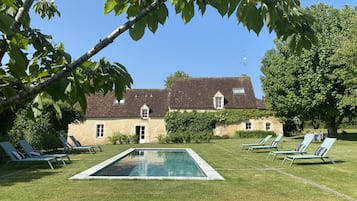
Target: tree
(308, 85)
(38, 69)
(346, 56)
(172, 77)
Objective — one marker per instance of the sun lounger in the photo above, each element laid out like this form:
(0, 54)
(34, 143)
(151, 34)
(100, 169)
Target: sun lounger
(78, 144)
(261, 142)
(17, 156)
(320, 153)
(274, 144)
(69, 147)
(33, 153)
(300, 148)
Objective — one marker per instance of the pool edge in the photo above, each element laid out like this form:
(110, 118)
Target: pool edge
(211, 173)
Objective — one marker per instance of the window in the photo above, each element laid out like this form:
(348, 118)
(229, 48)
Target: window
(248, 126)
(218, 100)
(100, 130)
(238, 91)
(267, 126)
(144, 112)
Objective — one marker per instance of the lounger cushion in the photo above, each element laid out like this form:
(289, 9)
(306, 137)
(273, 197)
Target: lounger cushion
(34, 153)
(300, 147)
(69, 145)
(18, 155)
(320, 151)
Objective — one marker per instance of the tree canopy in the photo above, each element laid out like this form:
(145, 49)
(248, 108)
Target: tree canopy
(178, 74)
(310, 85)
(33, 68)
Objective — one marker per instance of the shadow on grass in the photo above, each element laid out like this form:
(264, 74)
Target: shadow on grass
(11, 174)
(347, 136)
(318, 163)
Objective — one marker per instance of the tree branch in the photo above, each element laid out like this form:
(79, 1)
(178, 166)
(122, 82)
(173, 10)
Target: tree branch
(31, 92)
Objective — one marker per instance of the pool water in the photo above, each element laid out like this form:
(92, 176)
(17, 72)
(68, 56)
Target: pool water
(152, 163)
(147, 162)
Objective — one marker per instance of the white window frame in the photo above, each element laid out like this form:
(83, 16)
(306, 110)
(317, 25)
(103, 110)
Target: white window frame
(99, 130)
(218, 100)
(144, 112)
(248, 126)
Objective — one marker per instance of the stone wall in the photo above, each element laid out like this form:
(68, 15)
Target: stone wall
(257, 124)
(85, 131)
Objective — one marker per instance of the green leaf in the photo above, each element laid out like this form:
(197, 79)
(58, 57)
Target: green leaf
(20, 41)
(254, 18)
(5, 23)
(291, 41)
(37, 106)
(188, 12)
(162, 13)
(152, 23)
(109, 6)
(80, 96)
(8, 91)
(58, 110)
(232, 6)
(137, 32)
(221, 6)
(121, 8)
(18, 61)
(57, 89)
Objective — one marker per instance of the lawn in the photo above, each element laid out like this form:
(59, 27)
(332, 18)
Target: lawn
(248, 176)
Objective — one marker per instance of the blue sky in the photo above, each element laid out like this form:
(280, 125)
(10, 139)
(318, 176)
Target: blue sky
(208, 46)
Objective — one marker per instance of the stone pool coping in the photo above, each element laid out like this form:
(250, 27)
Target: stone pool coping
(210, 173)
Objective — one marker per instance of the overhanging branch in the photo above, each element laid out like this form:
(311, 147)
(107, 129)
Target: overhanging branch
(31, 92)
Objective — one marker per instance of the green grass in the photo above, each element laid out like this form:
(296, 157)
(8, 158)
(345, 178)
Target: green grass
(248, 176)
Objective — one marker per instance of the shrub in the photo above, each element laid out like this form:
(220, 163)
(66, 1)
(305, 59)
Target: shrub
(119, 138)
(134, 139)
(185, 137)
(253, 134)
(39, 132)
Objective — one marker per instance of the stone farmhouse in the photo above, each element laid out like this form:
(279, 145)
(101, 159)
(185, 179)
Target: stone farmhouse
(141, 111)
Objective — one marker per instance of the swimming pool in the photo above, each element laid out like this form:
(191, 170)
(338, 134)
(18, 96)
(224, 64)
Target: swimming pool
(148, 163)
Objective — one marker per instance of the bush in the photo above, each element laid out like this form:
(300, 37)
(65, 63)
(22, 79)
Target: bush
(119, 138)
(253, 134)
(40, 133)
(185, 137)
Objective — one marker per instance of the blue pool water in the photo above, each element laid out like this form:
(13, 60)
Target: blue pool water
(149, 163)
(154, 163)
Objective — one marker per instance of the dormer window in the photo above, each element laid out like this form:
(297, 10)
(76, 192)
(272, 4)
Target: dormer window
(144, 111)
(218, 100)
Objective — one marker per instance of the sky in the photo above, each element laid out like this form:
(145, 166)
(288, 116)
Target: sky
(207, 46)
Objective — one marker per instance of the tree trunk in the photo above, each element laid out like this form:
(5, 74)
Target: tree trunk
(332, 127)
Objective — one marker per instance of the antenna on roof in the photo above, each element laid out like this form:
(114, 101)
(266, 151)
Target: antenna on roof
(244, 59)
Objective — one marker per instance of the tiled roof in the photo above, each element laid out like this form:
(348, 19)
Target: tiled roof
(187, 93)
(198, 93)
(106, 107)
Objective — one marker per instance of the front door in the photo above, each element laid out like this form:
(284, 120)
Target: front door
(140, 133)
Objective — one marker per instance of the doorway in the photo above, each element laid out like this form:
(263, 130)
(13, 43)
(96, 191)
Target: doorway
(140, 134)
